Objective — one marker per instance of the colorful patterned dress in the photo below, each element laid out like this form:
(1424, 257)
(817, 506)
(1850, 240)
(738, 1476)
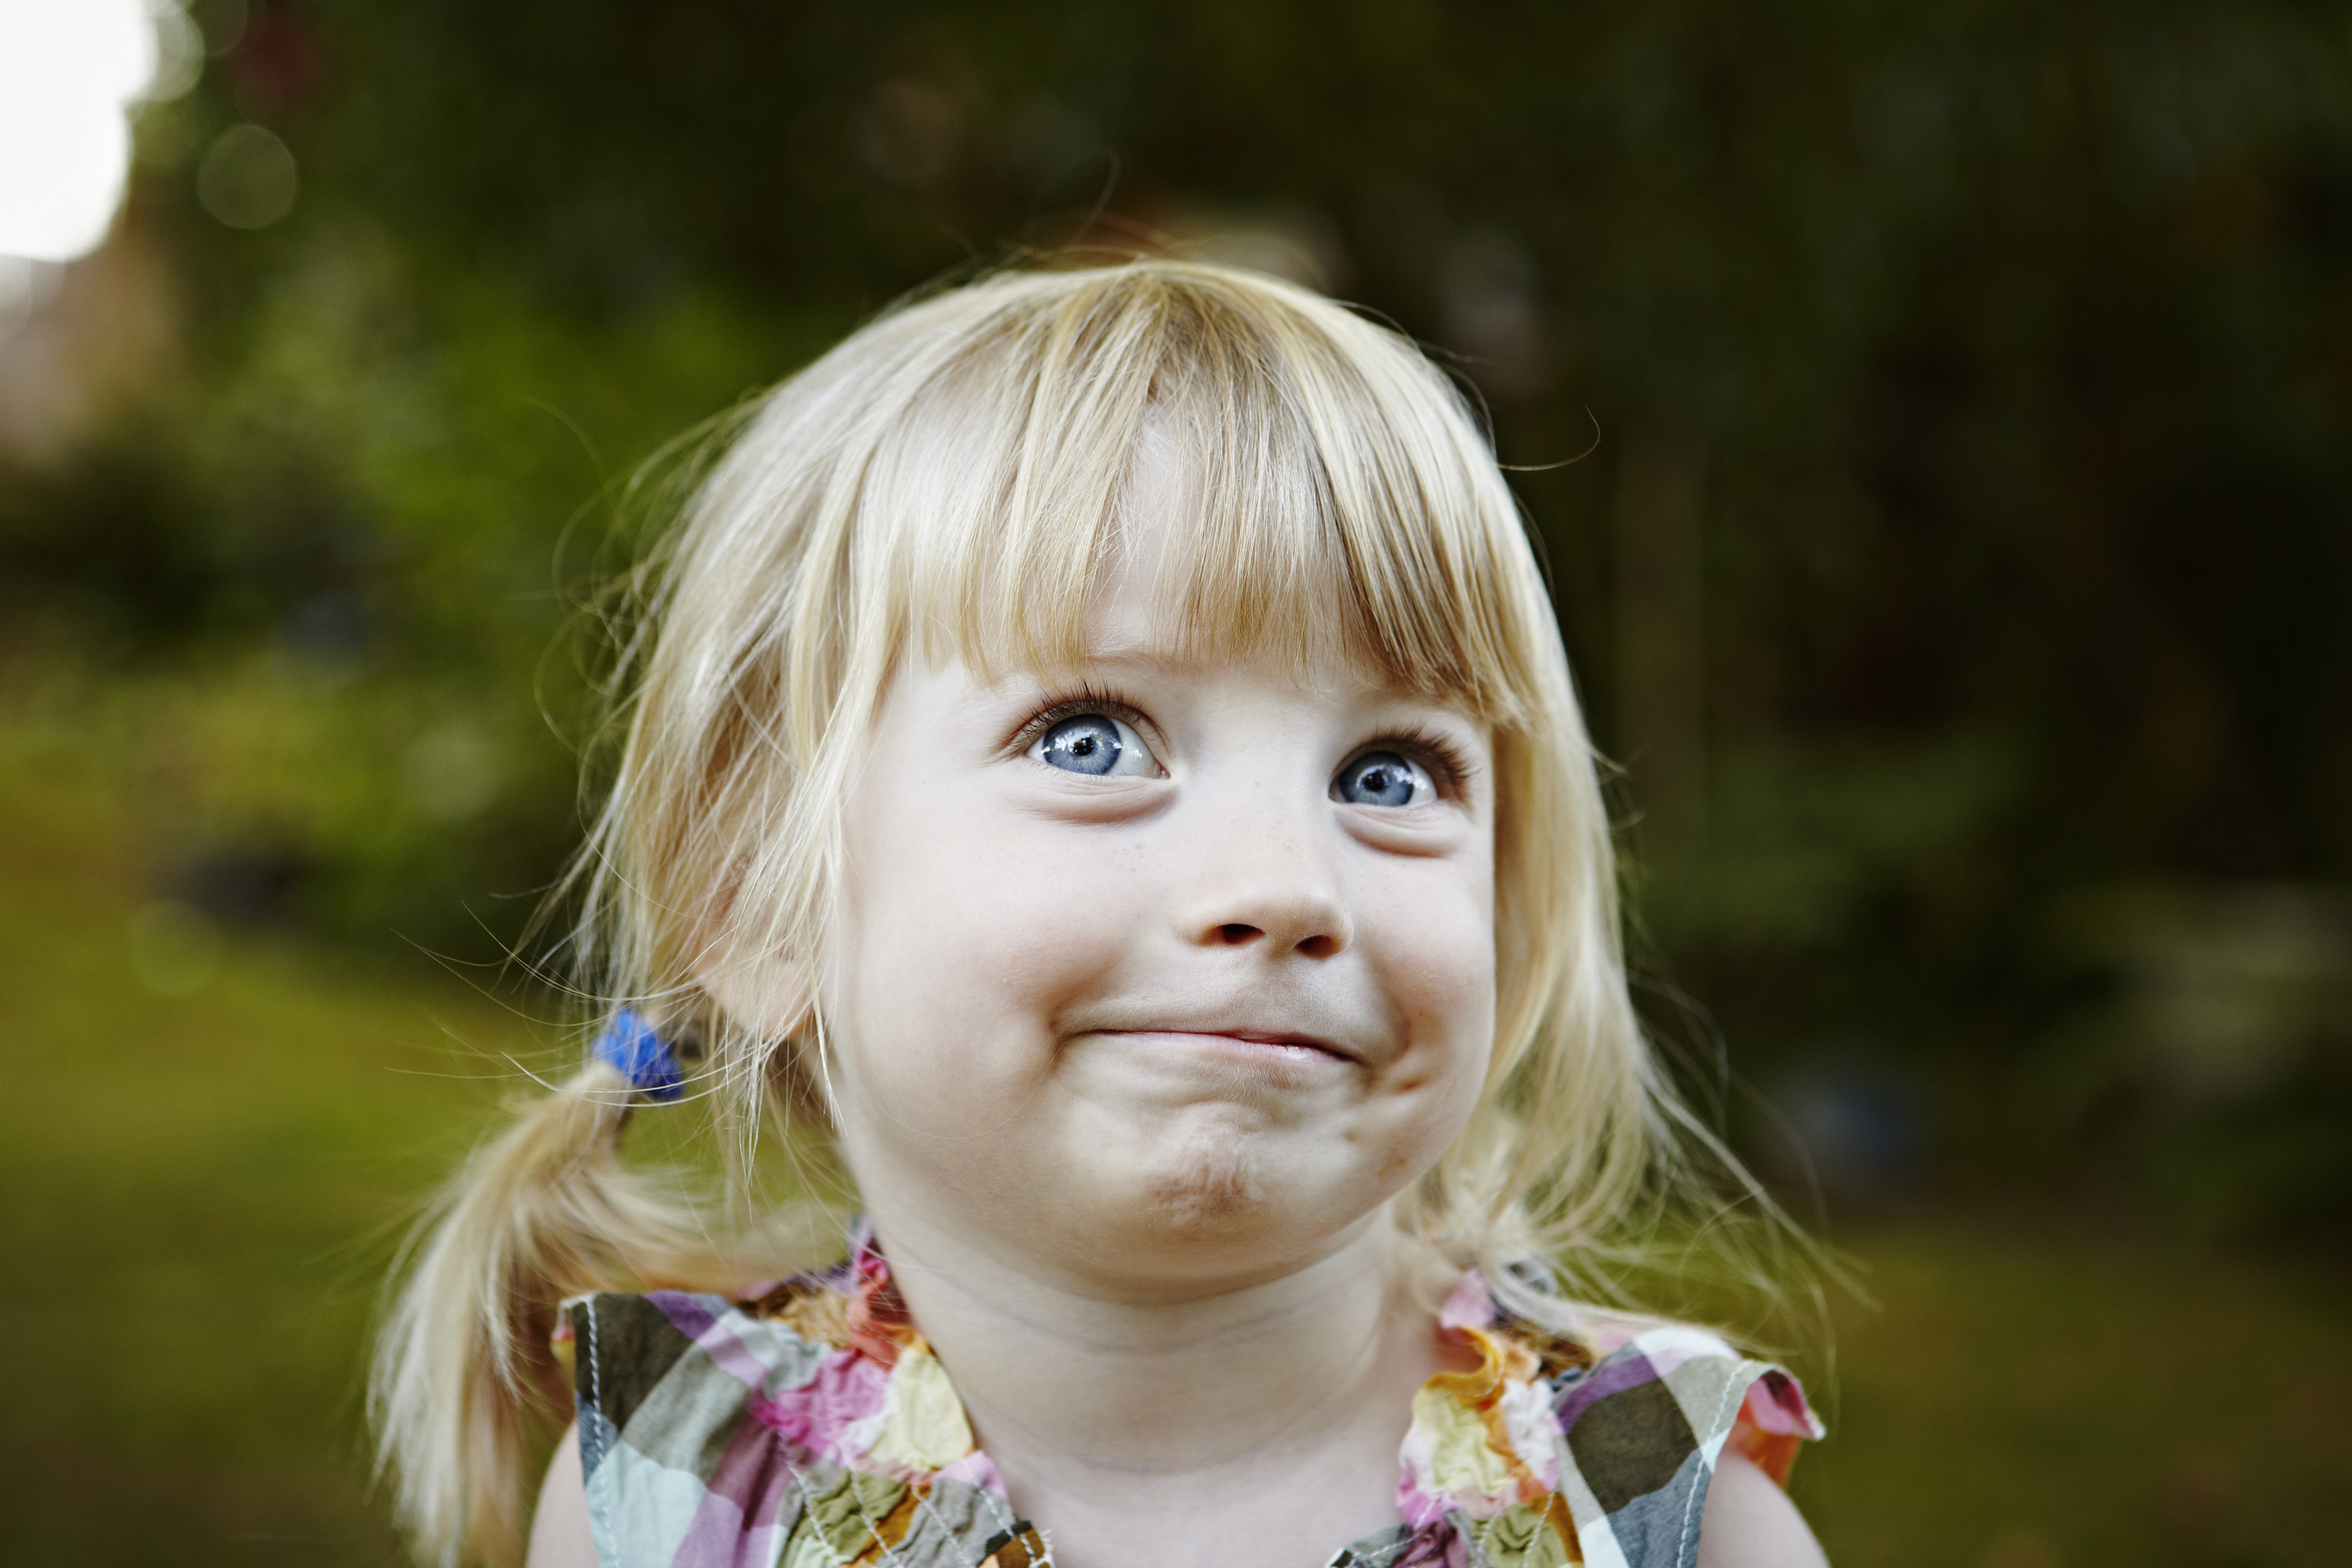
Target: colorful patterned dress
(813, 1428)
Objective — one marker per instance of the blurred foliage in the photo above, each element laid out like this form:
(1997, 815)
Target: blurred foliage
(1960, 573)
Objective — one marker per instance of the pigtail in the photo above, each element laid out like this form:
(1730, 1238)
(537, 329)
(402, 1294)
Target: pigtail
(465, 1374)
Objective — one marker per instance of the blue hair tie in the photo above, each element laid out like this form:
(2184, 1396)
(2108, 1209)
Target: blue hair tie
(630, 1047)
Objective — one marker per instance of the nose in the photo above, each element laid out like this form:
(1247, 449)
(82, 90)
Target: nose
(1269, 896)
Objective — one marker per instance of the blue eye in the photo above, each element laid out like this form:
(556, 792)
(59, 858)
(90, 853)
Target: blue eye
(1384, 778)
(1094, 743)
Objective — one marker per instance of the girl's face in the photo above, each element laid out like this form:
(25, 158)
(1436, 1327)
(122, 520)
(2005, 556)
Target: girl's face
(1163, 971)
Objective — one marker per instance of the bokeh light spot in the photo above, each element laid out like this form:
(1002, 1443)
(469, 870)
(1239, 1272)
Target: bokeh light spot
(69, 72)
(247, 179)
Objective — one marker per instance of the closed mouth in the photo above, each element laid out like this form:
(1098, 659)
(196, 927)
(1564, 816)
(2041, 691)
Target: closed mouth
(1286, 1043)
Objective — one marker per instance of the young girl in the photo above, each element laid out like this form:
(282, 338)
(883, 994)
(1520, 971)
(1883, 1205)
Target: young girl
(1103, 754)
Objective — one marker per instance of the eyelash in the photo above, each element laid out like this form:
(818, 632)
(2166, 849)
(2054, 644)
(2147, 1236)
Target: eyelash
(1085, 700)
(1449, 769)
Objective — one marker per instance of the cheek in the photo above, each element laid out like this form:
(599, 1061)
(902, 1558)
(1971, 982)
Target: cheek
(1434, 942)
(1439, 960)
(964, 940)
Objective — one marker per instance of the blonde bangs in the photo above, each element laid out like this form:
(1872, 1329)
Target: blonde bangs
(1331, 491)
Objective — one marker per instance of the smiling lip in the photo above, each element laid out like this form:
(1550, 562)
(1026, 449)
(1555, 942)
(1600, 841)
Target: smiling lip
(1290, 1045)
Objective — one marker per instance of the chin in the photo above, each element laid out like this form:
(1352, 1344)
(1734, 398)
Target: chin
(1210, 1183)
(1211, 1208)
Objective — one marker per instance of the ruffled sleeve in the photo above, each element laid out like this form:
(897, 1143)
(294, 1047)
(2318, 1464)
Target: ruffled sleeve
(1774, 1421)
(677, 1473)
(1593, 1442)
(1643, 1430)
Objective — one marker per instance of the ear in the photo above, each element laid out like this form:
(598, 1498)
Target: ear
(760, 988)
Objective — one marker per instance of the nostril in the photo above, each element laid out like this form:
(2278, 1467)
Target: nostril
(1236, 935)
(1318, 947)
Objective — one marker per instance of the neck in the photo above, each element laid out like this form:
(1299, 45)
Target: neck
(1054, 1371)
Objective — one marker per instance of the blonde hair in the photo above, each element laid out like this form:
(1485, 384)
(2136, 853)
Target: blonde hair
(947, 480)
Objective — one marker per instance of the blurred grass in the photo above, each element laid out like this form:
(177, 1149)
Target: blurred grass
(2036, 1394)
(201, 1194)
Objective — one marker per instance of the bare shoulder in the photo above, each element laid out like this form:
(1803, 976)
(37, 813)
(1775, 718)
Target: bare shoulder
(559, 1531)
(1750, 1523)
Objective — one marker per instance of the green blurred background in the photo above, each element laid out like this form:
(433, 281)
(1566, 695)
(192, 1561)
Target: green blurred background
(1935, 416)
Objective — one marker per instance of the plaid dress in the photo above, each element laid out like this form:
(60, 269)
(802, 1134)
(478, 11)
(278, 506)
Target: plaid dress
(813, 1428)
